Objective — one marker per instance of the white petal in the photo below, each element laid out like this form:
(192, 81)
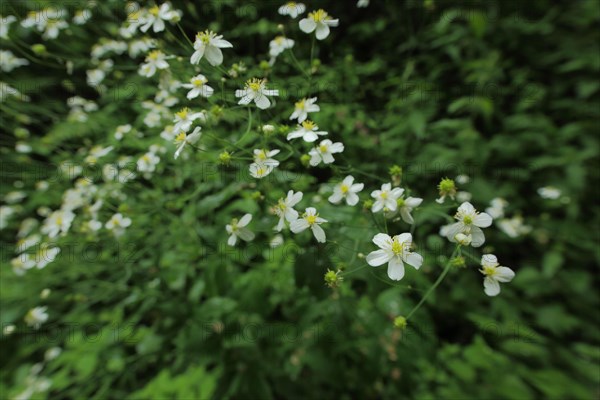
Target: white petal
(245, 220)
(504, 274)
(478, 238)
(262, 102)
(335, 198)
(319, 233)
(232, 240)
(414, 259)
(466, 208)
(214, 55)
(322, 31)
(491, 286)
(378, 257)
(405, 214)
(383, 241)
(482, 220)
(307, 25)
(413, 202)
(245, 234)
(395, 269)
(352, 199)
(299, 225)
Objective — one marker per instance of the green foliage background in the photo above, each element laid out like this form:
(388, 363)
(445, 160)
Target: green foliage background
(505, 92)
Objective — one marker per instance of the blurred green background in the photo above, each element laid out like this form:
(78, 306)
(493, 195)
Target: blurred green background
(505, 92)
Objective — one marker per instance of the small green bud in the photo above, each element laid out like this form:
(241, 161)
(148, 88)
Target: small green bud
(447, 187)
(264, 65)
(332, 279)
(458, 262)
(400, 322)
(225, 158)
(305, 160)
(368, 204)
(39, 49)
(257, 196)
(396, 175)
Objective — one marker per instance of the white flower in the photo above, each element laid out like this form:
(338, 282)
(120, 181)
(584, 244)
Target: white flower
(185, 118)
(255, 89)
(156, 16)
(237, 229)
(386, 198)
(22, 263)
(284, 209)
(183, 139)
(494, 274)
(5, 24)
(279, 45)
(82, 16)
(324, 152)
(514, 226)
(8, 61)
(310, 219)
(156, 59)
(36, 316)
(292, 9)
(148, 162)
(320, 21)
(263, 164)
(348, 190)
(209, 44)
(45, 255)
(303, 107)
(122, 130)
(58, 222)
(140, 46)
(496, 208)
(117, 223)
(549, 192)
(395, 251)
(52, 353)
(308, 131)
(362, 3)
(470, 223)
(198, 87)
(405, 207)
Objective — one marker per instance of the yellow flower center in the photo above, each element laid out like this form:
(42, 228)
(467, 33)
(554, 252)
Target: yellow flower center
(319, 15)
(397, 247)
(311, 219)
(180, 137)
(400, 202)
(154, 10)
(183, 113)
(279, 39)
(146, 158)
(344, 189)
(300, 104)
(262, 155)
(59, 220)
(281, 205)
(489, 270)
(308, 125)
(384, 195)
(205, 36)
(467, 220)
(154, 55)
(254, 84)
(323, 148)
(261, 171)
(291, 4)
(198, 82)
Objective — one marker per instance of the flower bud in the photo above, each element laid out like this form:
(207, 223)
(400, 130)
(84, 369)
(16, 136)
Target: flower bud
(400, 322)
(332, 279)
(225, 158)
(39, 49)
(305, 160)
(396, 175)
(462, 239)
(458, 262)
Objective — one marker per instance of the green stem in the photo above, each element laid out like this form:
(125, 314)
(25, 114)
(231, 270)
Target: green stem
(436, 284)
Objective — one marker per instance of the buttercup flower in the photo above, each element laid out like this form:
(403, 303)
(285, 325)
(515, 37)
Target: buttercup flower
(386, 198)
(198, 87)
(324, 152)
(256, 90)
(310, 219)
(238, 229)
(184, 119)
(348, 190)
(292, 9)
(303, 107)
(320, 21)
(156, 59)
(308, 131)
(183, 139)
(469, 223)
(284, 209)
(209, 44)
(494, 274)
(395, 251)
